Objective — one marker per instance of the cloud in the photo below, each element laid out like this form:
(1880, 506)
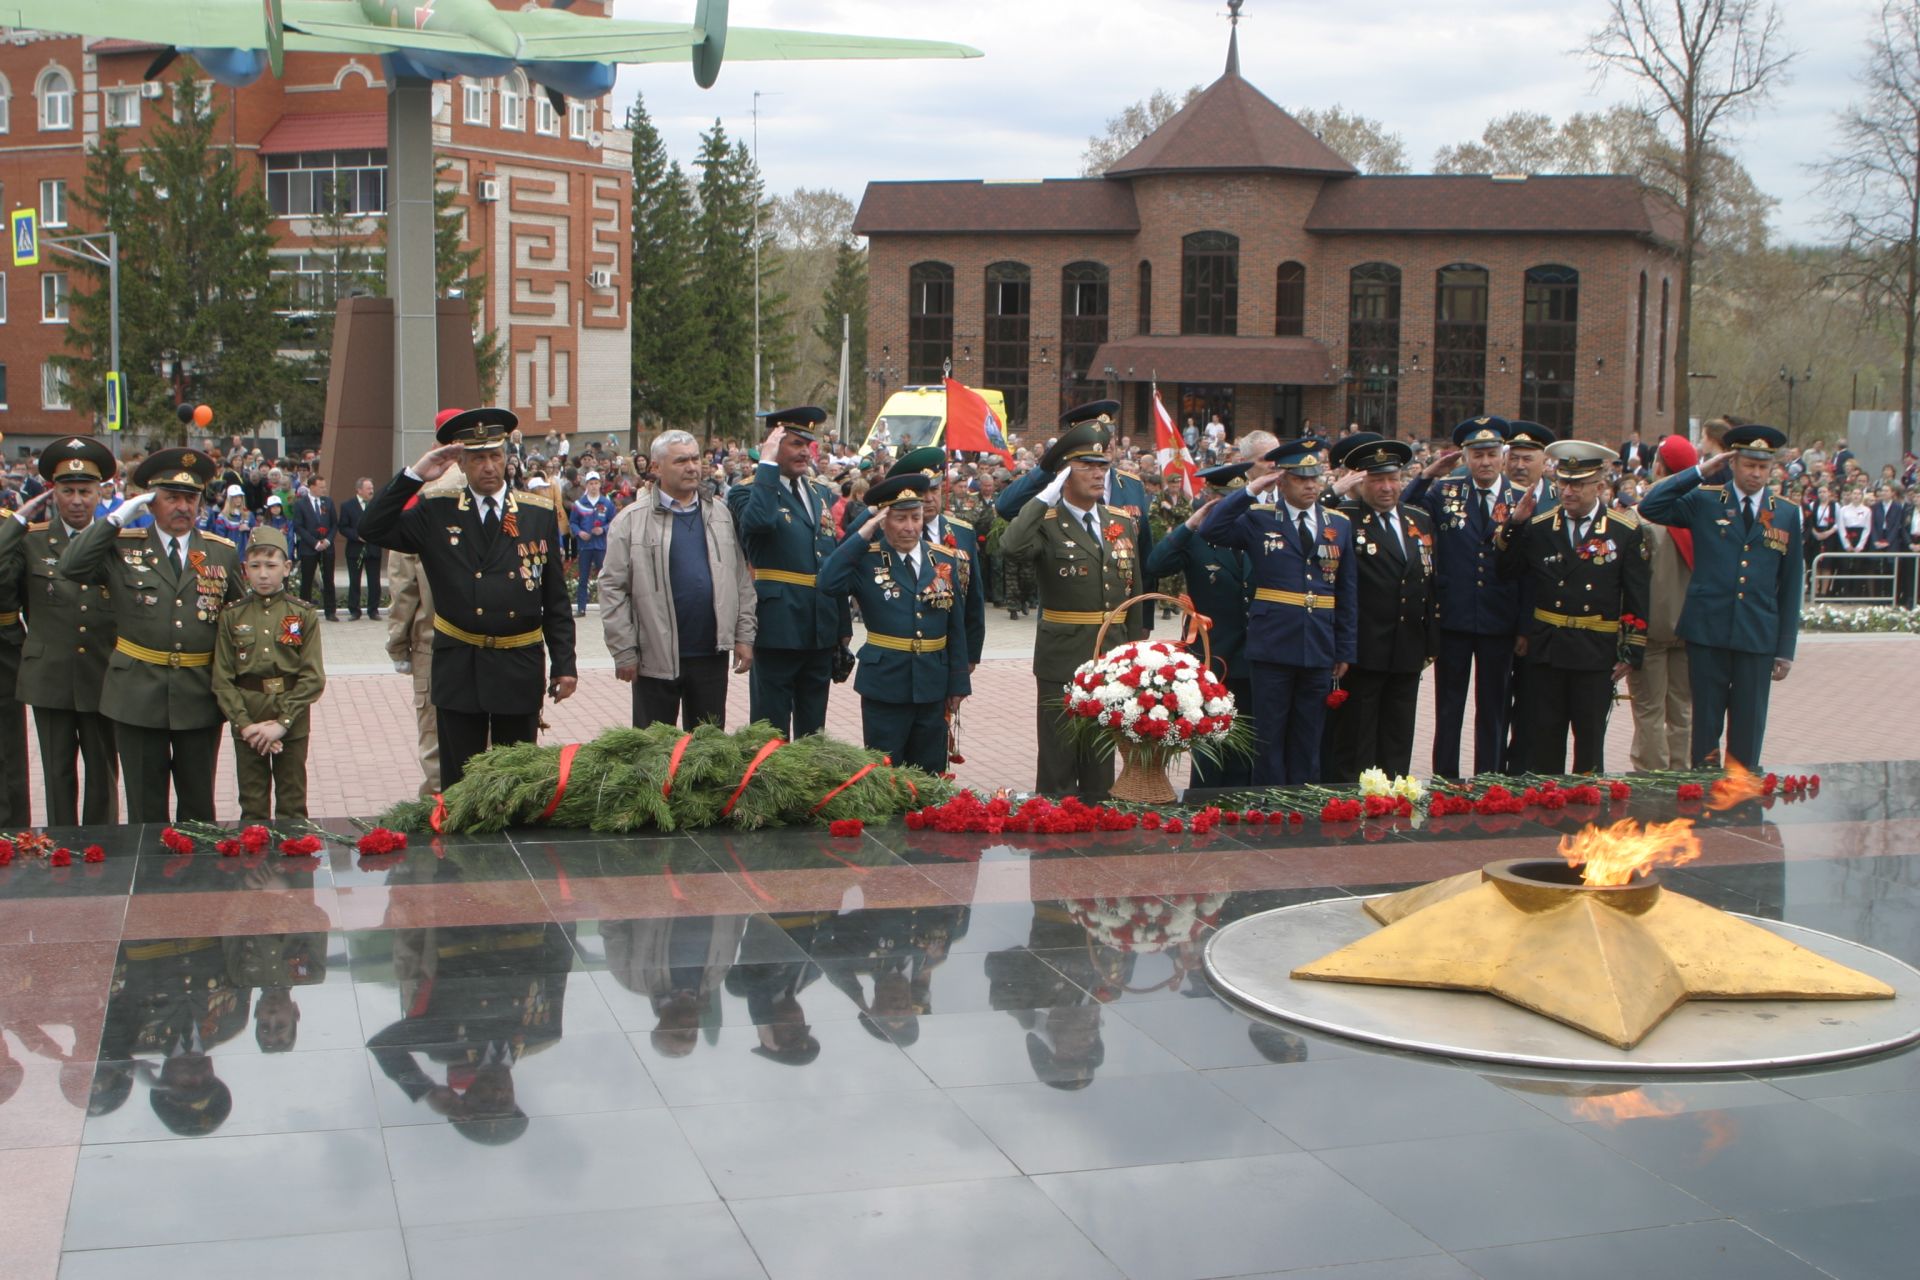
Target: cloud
(1435, 72)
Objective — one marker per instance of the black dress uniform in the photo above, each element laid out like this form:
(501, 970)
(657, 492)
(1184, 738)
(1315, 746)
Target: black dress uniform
(1397, 634)
(64, 662)
(498, 595)
(159, 684)
(15, 806)
(786, 529)
(1524, 437)
(1589, 577)
(917, 653)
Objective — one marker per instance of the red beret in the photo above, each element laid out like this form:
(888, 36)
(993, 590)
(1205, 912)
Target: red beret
(1677, 454)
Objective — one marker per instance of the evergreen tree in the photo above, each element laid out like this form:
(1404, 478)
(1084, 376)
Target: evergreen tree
(352, 267)
(846, 295)
(723, 285)
(197, 304)
(668, 332)
(778, 327)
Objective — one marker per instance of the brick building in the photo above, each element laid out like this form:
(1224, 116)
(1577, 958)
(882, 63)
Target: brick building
(1251, 271)
(546, 195)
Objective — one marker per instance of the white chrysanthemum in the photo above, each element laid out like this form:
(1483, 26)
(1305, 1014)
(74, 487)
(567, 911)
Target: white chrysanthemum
(1374, 782)
(1410, 788)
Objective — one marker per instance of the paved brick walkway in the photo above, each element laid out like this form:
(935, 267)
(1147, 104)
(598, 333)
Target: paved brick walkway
(1849, 698)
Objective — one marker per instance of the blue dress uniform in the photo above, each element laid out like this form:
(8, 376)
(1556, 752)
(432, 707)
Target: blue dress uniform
(1479, 613)
(916, 655)
(787, 537)
(1743, 604)
(1220, 584)
(1303, 619)
(1523, 436)
(957, 536)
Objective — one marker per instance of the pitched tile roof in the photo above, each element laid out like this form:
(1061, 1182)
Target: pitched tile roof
(1300, 361)
(1076, 206)
(1231, 126)
(1445, 204)
(327, 131)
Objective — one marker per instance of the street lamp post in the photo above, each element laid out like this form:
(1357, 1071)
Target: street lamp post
(1793, 380)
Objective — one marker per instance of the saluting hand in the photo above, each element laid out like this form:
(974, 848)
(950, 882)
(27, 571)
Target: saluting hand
(1200, 514)
(434, 462)
(1523, 512)
(873, 523)
(1264, 483)
(1442, 465)
(33, 504)
(772, 443)
(1716, 466)
(129, 509)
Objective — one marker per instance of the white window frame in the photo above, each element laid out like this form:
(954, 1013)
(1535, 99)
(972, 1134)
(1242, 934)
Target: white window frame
(546, 121)
(579, 120)
(3, 297)
(54, 292)
(513, 103)
(475, 102)
(122, 100)
(53, 202)
(6, 105)
(3, 382)
(54, 388)
(54, 120)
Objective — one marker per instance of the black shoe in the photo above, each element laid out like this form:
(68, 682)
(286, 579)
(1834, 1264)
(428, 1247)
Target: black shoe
(353, 617)
(373, 615)
(333, 617)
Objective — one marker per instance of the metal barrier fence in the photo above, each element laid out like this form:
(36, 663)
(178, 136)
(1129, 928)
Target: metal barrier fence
(1892, 570)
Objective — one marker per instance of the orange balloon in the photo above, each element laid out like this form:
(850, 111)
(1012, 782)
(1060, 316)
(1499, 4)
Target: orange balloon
(202, 415)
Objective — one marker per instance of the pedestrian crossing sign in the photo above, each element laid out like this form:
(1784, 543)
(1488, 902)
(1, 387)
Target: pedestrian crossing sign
(26, 238)
(116, 411)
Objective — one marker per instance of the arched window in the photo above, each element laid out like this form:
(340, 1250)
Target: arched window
(513, 101)
(6, 105)
(1459, 345)
(1009, 326)
(1373, 347)
(1083, 327)
(56, 99)
(929, 320)
(1549, 334)
(1210, 283)
(1660, 377)
(1640, 354)
(1146, 297)
(1290, 300)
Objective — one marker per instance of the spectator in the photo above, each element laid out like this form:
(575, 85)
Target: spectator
(1856, 525)
(231, 520)
(587, 519)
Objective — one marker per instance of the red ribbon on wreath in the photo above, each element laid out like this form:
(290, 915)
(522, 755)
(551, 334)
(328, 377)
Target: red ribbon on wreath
(826, 799)
(745, 778)
(439, 816)
(567, 753)
(673, 764)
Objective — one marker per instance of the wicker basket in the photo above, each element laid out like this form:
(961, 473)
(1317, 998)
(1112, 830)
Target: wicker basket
(1141, 781)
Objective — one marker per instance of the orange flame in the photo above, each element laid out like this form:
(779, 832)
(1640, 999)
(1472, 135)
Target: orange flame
(1624, 850)
(1612, 1108)
(1737, 786)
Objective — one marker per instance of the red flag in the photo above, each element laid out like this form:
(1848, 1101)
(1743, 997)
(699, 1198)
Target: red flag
(1171, 448)
(971, 424)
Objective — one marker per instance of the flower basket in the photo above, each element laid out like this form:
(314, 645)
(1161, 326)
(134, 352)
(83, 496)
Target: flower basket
(1152, 701)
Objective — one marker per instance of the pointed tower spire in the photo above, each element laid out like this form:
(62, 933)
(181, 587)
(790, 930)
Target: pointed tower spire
(1233, 40)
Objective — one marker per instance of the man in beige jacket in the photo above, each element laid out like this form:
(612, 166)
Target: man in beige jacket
(676, 595)
(1662, 692)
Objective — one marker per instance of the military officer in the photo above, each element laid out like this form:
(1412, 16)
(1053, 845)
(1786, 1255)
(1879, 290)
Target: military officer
(1588, 568)
(65, 662)
(914, 665)
(492, 558)
(1479, 613)
(1526, 468)
(267, 674)
(1087, 560)
(948, 530)
(15, 804)
(168, 584)
(1396, 632)
(1220, 584)
(1742, 615)
(1121, 489)
(785, 522)
(1301, 628)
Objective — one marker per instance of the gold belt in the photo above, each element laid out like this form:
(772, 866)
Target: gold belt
(8, 619)
(783, 575)
(1073, 619)
(478, 641)
(1592, 623)
(161, 657)
(1305, 599)
(902, 643)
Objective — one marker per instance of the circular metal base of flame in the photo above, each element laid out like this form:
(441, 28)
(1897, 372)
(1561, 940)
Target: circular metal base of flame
(1250, 960)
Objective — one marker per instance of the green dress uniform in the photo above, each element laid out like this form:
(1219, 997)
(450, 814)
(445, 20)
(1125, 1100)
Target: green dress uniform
(498, 595)
(159, 684)
(267, 665)
(786, 529)
(1085, 576)
(918, 646)
(15, 807)
(64, 662)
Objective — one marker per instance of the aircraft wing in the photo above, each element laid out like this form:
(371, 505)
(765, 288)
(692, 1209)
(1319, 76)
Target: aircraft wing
(763, 44)
(558, 34)
(218, 24)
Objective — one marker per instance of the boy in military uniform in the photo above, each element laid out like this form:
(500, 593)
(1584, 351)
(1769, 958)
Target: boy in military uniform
(267, 673)
(1088, 565)
(1586, 568)
(168, 584)
(914, 665)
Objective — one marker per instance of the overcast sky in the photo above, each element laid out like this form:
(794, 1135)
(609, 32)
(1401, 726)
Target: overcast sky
(1434, 71)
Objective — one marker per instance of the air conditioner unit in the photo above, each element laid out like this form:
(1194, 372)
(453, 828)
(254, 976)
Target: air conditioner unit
(152, 89)
(489, 190)
(596, 139)
(599, 278)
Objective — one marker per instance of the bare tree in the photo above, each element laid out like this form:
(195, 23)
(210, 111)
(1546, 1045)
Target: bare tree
(1130, 128)
(1701, 64)
(1873, 177)
(1360, 140)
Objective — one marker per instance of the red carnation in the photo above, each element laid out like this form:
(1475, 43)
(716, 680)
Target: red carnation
(95, 853)
(1690, 792)
(1619, 790)
(846, 828)
(255, 838)
(1173, 827)
(229, 848)
(1337, 697)
(301, 846)
(381, 840)
(61, 857)
(1253, 817)
(175, 841)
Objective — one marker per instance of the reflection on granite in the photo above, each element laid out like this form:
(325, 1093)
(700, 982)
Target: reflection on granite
(560, 1049)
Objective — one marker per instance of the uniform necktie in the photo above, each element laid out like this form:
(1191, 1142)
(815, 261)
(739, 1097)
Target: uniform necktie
(486, 514)
(174, 554)
(1306, 534)
(1746, 513)
(1393, 528)
(800, 496)
(1486, 503)
(1578, 528)
(1093, 531)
